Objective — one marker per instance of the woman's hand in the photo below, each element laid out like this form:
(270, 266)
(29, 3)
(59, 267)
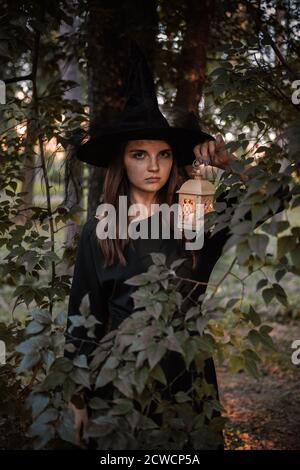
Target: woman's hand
(80, 422)
(214, 153)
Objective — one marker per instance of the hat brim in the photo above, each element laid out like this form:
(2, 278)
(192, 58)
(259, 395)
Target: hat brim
(100, 150)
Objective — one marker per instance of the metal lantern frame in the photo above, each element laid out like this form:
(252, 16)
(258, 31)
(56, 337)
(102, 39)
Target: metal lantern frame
(197, 190)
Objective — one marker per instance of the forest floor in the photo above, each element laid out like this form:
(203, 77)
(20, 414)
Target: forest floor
(265, 413)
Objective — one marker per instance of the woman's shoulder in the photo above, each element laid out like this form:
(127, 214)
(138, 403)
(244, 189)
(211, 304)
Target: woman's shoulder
(89, 239)
(89, 227)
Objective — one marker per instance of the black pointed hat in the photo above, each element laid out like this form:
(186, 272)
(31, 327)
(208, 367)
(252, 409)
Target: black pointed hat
(141, 118)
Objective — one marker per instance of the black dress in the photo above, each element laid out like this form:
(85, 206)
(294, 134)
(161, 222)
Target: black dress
(110, 299)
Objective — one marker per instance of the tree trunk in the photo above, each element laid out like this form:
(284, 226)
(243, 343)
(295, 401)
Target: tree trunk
(29, 172)
(74, 168)
(191, 78)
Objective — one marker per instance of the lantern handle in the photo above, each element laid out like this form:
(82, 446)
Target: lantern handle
(197, 170)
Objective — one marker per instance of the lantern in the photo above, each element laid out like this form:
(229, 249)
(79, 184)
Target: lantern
(192, 193)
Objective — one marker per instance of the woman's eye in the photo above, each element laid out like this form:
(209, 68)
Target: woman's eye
(138, 155)
(166, 154)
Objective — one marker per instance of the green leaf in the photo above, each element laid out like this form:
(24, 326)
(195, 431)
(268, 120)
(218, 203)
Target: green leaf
(243, 252)
(97, 403)
(80, 361)
(62, 364)
(42, 316)
(242, 228)
(65, 427)
(254, 337)
(52, 380)
(158, 258)
(105, 376)
(155, 352)
(296, 231)
(182, 397)
(296, 202)
(159, 375)
(193, 312)
(155, 310)
(254, 316)
(266, 338)
(29, 361)
(232, 302)
(236, 363)
(279, 274)
(177, 263)
(44, 432)
(70, 347)
(161, 297)
(33, 344)
(274, 227)
(34, 327)
(124, 387)
(76, 320)
(280, 294)
(284, 245)
(141, 376)
(201, 323)
(250, 364)
(205, 344)
(258, 213)
(51, 414)
(268, 294)
(138, 280)
(258, 244)
(261, 283)
(60, 319)
(38, 403)
(69, 388)
(81, 377)
(111, 363)
(122, 406)
(295, 256)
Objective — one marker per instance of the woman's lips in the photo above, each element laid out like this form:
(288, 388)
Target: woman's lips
(152, 180)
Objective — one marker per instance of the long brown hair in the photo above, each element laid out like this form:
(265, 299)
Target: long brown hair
(117, 184)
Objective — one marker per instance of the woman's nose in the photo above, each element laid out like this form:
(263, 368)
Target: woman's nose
(153, 164)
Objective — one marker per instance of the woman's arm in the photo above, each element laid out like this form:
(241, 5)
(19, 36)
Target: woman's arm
(79, 294)
(87, 295)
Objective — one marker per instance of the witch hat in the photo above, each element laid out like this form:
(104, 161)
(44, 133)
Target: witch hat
(141, 118)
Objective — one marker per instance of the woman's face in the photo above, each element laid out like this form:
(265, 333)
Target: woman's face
(148, 164)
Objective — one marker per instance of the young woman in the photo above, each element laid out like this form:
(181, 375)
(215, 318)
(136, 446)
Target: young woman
(142, 154)
(145, 171)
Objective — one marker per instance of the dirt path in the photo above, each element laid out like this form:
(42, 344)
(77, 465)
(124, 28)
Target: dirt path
(265, 413)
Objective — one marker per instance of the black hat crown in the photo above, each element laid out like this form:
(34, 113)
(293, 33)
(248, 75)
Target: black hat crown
(141, 118)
